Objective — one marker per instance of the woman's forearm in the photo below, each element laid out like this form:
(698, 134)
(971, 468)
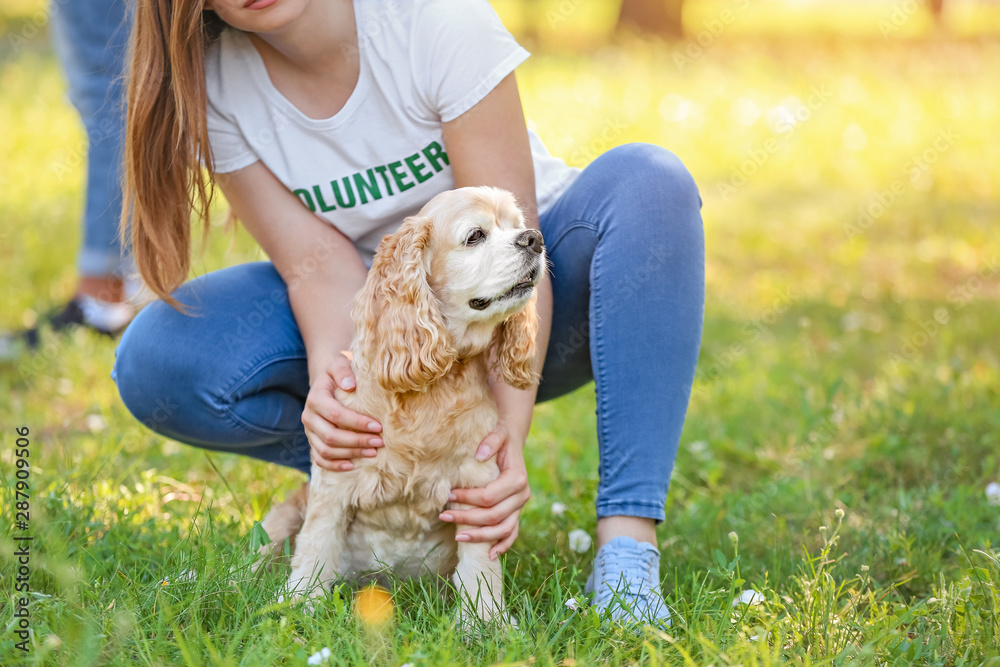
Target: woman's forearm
(320, 266)
(321, 301)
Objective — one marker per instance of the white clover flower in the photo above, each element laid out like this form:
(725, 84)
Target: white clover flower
(96, 423)
(572, 604)
(579, 541)
(748, 597)
(319, 657)
(698, 446)
(852, 321)
(558, 509)
(993, 493)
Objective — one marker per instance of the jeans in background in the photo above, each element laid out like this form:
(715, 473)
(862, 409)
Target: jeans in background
(91, 39)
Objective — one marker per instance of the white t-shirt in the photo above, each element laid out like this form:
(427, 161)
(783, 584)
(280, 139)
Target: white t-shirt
(382, 156)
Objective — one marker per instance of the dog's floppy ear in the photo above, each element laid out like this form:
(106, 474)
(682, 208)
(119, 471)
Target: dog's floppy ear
(514, 347)
(401, 331)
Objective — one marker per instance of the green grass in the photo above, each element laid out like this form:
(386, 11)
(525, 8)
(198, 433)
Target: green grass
(818, 390)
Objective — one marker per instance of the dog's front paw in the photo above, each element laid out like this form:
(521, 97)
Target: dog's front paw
(311, 602)
(308, 604)
(473, 625)
(301, 586)
(269, 557)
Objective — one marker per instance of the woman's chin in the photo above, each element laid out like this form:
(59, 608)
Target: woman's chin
(263, 16)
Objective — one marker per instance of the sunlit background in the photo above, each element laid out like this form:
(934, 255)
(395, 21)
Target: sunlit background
(848, 158)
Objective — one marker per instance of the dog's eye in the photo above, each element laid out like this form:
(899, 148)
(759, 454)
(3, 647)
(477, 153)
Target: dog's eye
(475, 237)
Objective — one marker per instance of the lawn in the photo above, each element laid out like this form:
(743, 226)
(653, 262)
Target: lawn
(842, 432)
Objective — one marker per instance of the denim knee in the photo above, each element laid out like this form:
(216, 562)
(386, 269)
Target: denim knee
(652, 175)
(650, 200)
(143, 375)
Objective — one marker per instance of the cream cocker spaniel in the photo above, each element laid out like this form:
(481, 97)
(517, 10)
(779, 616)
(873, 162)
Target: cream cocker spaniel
(449, 296)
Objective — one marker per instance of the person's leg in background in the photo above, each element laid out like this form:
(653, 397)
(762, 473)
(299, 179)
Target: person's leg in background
(627, 249)
(91, 39)
(232, 377)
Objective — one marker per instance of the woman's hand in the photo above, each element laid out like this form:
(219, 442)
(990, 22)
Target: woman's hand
(499, 503)
(336, 433)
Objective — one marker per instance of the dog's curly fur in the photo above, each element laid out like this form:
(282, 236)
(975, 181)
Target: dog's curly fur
(421, 355)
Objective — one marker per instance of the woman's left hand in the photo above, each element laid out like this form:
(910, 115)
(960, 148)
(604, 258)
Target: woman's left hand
(498, 504)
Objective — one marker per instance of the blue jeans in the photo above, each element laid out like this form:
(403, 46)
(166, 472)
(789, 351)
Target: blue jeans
(627, 251)
(91, 38)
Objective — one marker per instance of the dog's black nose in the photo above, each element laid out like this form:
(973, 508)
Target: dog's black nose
(531, 239)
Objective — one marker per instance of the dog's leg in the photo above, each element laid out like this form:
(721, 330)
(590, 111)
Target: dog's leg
(282, 521)
(319, 547)
(479, 582)
(478, 579)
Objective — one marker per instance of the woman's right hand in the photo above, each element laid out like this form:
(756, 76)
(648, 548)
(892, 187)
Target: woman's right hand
(337, 434)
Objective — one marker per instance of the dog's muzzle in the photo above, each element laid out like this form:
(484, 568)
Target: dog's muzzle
(532, 243)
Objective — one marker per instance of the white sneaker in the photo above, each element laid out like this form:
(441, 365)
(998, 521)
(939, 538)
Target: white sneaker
(626, 580)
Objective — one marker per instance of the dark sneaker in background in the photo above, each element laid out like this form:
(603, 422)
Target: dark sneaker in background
(104, 317)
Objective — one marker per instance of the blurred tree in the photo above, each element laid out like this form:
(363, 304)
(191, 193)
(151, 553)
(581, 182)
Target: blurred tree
(530, 14)
(937, 10)
(654, 17)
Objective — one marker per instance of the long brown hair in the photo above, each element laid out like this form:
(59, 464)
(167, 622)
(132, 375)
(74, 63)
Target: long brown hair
(166, 138)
